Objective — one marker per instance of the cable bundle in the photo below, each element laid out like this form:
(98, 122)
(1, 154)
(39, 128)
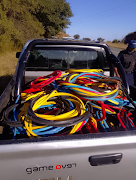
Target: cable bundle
(39, 83)
(91, 86)
(51, 113)
(79, 101)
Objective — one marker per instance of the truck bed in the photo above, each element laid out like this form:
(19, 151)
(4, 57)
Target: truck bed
(81, 155)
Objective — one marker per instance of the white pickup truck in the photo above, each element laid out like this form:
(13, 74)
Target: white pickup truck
(105, 155)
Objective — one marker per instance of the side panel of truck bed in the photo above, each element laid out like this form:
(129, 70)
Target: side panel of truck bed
(69, 159)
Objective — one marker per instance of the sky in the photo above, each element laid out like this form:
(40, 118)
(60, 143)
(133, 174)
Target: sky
(108, 19)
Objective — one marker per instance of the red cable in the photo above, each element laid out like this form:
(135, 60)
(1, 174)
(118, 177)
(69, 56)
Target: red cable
(80, 131)
(84, 81)
(52, 112)
(38, 87)
(91, 127)
(83, 123)
(107, 107)
(114, 107)
(103, 113)
(55, 75)
(94, 128)
(88, 128)
(131, 122)
(118, 115)
(129, 114)
(81, 88)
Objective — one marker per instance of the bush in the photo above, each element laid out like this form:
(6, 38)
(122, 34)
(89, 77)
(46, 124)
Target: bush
(115, 41)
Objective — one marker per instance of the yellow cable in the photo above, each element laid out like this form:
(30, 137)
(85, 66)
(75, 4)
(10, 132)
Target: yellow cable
(83, 70)
(43, 100)
(27, 96)
(90, 93)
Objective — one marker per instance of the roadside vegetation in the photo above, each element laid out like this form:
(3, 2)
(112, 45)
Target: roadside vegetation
(30, 19)
(117, 45)
(8, 62)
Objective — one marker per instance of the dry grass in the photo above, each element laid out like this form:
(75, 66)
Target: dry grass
(8, 62)
(116, 45)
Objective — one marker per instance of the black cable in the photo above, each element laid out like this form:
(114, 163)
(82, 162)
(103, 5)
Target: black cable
(6, 117)
(65, 123)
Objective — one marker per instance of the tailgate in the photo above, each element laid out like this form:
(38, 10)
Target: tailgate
(111, 157)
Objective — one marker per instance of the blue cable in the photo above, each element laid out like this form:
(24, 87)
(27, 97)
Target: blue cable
(131, 123)
(98, 117)
(55, 86)
(53, 130)
(80, 87)
(95, 99)
(15, 119)
(86, 76)
(50, 130)
(105, 123)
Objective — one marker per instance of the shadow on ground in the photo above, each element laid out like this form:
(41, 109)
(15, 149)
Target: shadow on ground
(4, 80)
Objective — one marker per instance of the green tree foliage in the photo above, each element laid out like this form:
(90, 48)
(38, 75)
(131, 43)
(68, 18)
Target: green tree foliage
(76, 36)
(18, 23)
(115, 41)
(21, 20)
(7, 29)
(100, 39)
(55, 17)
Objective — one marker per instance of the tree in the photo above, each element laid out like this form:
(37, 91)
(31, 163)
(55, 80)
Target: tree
(21, 20)
(100, 39)
(54, 15)
(87, 39)
(129, 37)
(76, 36)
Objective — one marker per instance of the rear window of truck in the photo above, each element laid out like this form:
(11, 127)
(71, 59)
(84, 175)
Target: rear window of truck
(62, 58)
